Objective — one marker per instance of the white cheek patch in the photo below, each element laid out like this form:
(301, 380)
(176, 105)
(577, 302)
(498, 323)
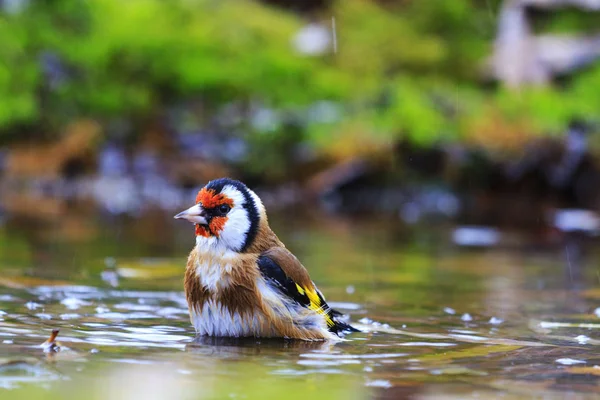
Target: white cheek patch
(234, 232)
(259, 204)
(234, 194)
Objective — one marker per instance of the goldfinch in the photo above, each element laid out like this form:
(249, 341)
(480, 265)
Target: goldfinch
(240, 279)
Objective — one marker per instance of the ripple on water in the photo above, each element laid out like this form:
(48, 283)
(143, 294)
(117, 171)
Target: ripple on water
(79, 295)
(117, 316)
(66, 317)
(135, 307)
(32, 305)
(101, 309)
(95, 325)
(463, 331)
(427, 344)
(379, 383)
(137, 337)
(172, 311)
(473, 338)
(345, 305)
(77, 291)
(23, 372)
(569, 361)
(339, 356)
(326, 363)
(73, 303)
(302, 372)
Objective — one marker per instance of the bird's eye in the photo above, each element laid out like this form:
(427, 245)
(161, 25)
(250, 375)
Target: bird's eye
(224, 208)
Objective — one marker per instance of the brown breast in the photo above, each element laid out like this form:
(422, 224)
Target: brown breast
(238, 292)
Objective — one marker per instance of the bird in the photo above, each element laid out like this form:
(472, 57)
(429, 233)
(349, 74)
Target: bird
(241, 280)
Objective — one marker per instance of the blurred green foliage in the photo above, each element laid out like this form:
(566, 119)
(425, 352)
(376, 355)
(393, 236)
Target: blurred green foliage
(402, 69)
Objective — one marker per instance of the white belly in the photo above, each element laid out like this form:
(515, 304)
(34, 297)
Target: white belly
(216, 320)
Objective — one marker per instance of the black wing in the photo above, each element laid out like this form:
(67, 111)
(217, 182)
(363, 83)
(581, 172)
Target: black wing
(310, 298)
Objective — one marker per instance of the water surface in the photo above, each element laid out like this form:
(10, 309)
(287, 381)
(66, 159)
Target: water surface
(515, 320)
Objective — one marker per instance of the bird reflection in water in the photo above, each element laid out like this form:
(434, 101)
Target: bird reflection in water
(232, 346)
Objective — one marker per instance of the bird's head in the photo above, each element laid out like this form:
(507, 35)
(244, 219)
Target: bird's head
(226, 215)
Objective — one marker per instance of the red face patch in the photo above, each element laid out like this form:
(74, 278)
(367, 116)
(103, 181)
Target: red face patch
(202, 230)
(208, 199)
(217, 224)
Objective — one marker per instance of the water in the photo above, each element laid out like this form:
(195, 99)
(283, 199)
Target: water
(439, 320)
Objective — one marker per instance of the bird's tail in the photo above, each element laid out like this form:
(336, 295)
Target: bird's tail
(341, 326)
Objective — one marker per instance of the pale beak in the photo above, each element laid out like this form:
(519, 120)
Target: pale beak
(194, 214)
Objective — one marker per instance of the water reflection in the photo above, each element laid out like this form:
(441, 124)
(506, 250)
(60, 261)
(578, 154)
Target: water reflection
(239, 347)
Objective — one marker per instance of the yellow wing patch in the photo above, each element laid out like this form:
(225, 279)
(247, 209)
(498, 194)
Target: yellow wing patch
(315, 303)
